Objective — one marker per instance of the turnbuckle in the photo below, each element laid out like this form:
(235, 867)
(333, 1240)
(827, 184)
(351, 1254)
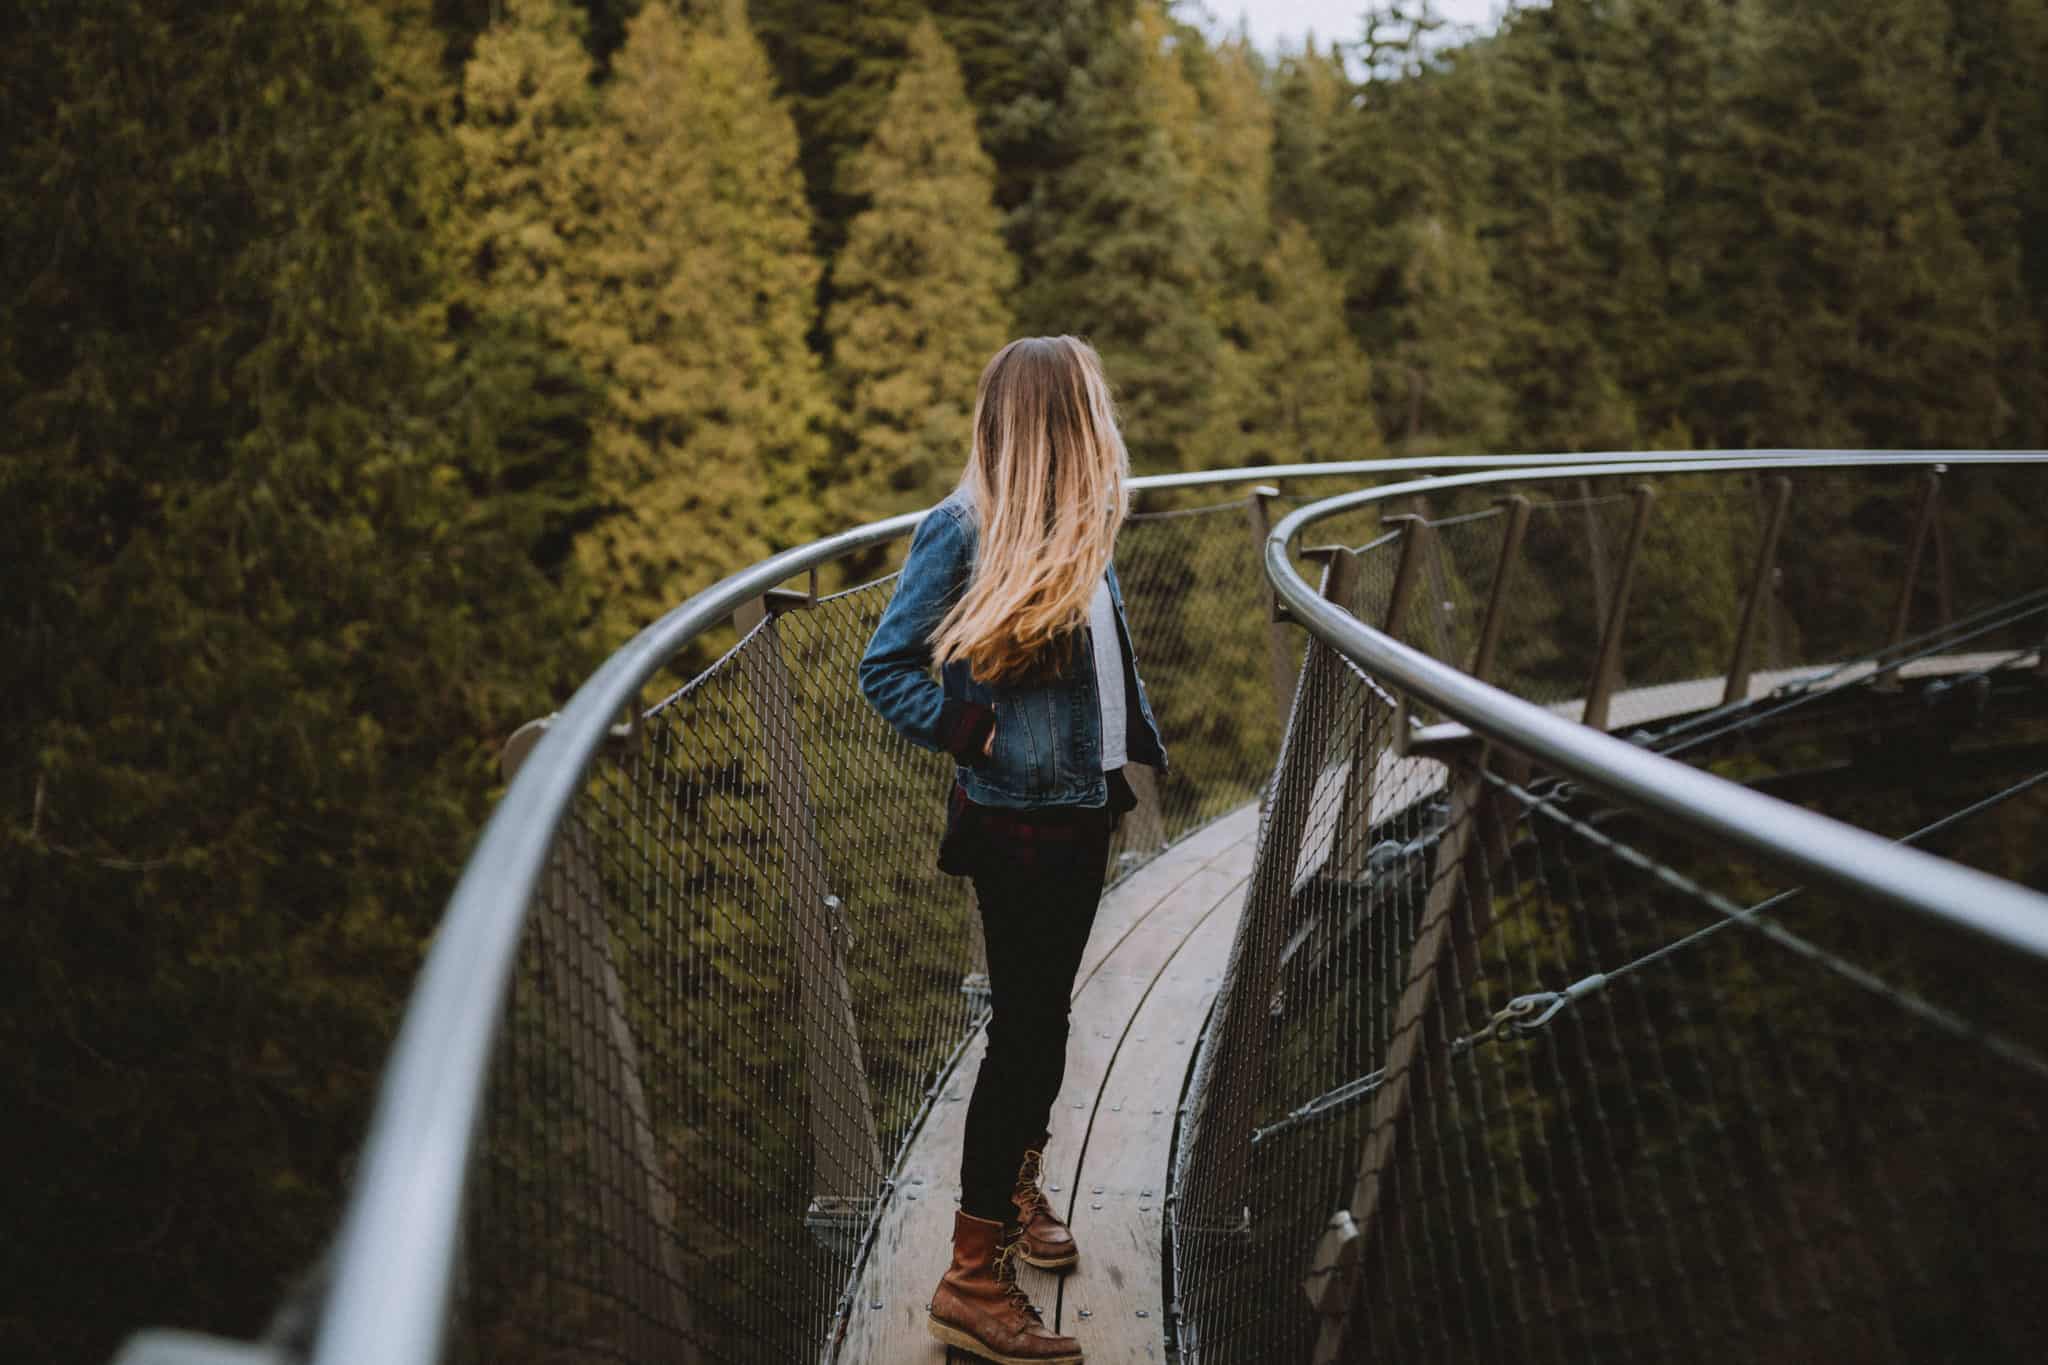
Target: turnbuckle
(1527, 1015)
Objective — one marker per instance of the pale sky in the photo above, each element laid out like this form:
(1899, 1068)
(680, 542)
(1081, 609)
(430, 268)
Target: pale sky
(1274, 20)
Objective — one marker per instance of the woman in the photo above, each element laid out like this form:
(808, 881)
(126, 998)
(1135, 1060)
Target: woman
(1009, 589)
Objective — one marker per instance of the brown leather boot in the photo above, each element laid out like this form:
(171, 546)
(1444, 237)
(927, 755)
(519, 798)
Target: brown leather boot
(1048, 1242)
(979, 1308)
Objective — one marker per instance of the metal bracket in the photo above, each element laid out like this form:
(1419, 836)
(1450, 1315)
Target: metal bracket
(776, 602)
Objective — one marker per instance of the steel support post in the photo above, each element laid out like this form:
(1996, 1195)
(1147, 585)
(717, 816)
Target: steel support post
(1349, 839)
(633, 1201)
(1607, 663)
(1281, 645)
(1887, 677)
(846, 1150)
(1417, 540)
(1762, 582)
(1456, 913)
(1496, 597)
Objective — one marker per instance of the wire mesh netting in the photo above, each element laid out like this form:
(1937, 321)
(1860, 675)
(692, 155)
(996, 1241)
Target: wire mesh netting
(1500, 1070)
(1579, 1092)
(744, 976)
(1199, 609)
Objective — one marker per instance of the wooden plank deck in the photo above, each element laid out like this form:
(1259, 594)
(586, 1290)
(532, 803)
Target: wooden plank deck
(1152, 966)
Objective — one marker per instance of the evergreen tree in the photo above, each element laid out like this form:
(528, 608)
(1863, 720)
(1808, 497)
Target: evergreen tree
(1124, 260)
(1308, 93)
(918, 293)
(1401, 177)
(1668, 72)
(1438, 387)
(511, 384)
(693, 303)
(1564, 229)
(835, 62)
(1232, 162)
(527, 147)
(1302, 389)
(1031, 72)
(1867, 306)
(1999, 174)
(258, 655)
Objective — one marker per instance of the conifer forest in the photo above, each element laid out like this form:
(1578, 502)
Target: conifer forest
(371, 368)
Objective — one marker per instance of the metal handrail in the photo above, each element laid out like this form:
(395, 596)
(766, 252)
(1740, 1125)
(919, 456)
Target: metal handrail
(391, 1269)
(1837, 854)
(392, 1266)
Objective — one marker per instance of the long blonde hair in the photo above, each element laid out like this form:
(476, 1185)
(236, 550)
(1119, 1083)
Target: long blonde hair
(1047, 477)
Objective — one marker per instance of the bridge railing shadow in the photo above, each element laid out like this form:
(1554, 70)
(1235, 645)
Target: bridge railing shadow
(1544, 1043)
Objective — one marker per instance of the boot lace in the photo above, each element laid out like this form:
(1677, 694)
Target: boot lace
(1006, 1275)
(1029, 1198)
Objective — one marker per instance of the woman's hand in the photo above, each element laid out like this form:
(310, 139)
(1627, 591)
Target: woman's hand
(988, 746)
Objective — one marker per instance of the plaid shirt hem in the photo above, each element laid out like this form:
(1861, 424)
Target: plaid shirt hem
(1050, 839)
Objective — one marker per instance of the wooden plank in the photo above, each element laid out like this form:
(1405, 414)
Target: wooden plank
(914, 1233)
(1127, 906)
(1119, 1210)
(1155, 878)
(1111, 995)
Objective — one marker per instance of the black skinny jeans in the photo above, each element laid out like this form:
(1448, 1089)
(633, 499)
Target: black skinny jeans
(1036, 922)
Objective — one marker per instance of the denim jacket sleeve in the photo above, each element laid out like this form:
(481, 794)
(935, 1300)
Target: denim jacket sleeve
(895, 671)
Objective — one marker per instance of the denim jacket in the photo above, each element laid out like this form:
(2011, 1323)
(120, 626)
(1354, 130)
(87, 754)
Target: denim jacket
(1048, 746)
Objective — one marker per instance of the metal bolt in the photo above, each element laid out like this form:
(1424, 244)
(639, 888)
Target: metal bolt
(1077, 1104)
(1143, 1314)
(1144, 1194)
(1054, 1188)
(1116, 1109)
(910, 1194)
(1095, 1206)
(1086, 1313)
(1098, 1189)
(876, 1305)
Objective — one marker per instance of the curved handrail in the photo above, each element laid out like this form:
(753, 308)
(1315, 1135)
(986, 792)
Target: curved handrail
(1790, 836)
(392, 1264)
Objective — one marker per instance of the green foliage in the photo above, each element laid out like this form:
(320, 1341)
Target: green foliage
(1124, 261)
(1391, 177)
(1865, 301)
(271, 597)
(1299, 389)
(1566, 249)
(918, 294)
(1752, 224)
(694, 302)
(836, 63)
(660, 230)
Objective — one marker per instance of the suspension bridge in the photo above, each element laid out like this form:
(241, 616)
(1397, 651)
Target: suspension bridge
(1484, 982)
